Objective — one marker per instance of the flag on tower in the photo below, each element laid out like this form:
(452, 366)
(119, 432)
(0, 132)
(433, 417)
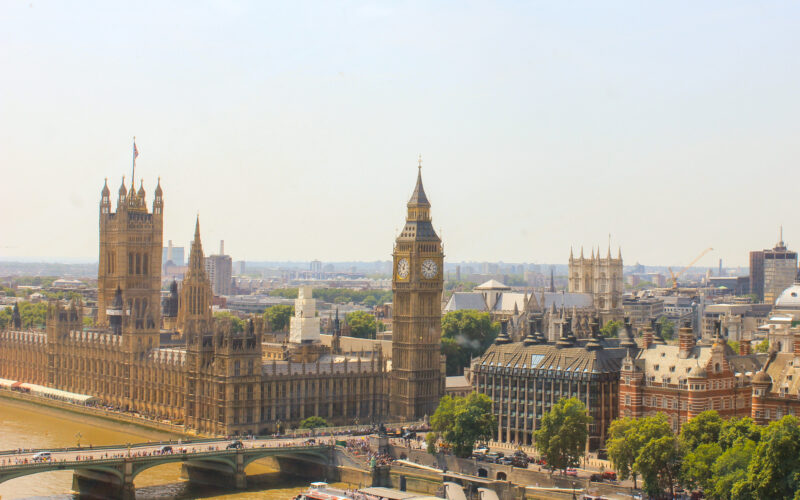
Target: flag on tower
(135, 151)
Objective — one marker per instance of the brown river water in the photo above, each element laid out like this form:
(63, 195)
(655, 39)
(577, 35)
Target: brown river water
(24, 425)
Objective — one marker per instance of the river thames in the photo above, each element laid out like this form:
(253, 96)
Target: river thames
(29, 426)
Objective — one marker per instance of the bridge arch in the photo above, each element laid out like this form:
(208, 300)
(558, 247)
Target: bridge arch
(29, 471)
(253, 454)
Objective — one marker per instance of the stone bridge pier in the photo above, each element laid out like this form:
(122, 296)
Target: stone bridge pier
(96, 483)
(214, 473)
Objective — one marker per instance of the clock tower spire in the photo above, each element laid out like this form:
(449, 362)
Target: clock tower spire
(417, 377)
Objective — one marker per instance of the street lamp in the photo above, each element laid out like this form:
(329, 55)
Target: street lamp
(78, 436)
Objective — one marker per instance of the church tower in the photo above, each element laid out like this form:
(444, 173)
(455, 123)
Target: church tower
(130, 260)
(417, 377)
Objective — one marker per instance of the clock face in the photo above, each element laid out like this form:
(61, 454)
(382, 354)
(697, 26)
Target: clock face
(429, 269)
(403, 268)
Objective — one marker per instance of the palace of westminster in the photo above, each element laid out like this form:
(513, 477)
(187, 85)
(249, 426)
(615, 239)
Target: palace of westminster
(172, 359)
(175, 360)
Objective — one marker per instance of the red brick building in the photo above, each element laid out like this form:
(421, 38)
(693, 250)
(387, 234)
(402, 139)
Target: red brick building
(687, 379)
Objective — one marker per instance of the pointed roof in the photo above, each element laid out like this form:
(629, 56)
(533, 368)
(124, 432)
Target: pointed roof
(196, 259)
(492, 285)
(419, 197)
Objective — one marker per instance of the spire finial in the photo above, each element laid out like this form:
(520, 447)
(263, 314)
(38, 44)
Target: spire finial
(135, 155)
(419, 162)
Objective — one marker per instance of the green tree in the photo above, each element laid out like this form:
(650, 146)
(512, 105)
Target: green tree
(667, 327)
(430, 442)
(314, 422)
(623, 447)
(627, 439)
(702, 429)
(659, 464)
(734, 430)
(277, 317)
(5, 317)
(88, 321)
(734, 345)
(561, 439)
(763, 346)
(466, 334)
(33, 315)
(462, 421)
(611, 328)
(729, 472)
(362, 324)
(697, 470)
(237, 324)
(774, 470)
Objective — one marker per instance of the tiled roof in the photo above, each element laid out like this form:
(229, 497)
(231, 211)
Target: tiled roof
(465, 300)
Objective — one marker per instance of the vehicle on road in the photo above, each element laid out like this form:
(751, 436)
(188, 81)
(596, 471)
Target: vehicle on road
(572, 472)
(236, 445)
(41, 456)
(165, 449)
(609, 475)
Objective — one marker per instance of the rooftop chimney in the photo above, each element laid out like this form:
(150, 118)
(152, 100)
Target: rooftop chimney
(647, 337)
(685, 341)
(796, 348)
(222, 247)
(744, 347)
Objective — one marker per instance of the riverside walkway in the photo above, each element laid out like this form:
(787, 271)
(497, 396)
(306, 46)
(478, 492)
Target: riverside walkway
(110, 470)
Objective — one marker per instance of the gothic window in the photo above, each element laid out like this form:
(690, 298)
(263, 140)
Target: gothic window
(130, 263)
(138, 264)
(145, 263)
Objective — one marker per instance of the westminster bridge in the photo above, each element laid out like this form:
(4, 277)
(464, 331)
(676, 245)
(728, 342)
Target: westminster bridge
(109, 471)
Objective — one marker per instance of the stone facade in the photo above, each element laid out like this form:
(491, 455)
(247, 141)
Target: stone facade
(202, 372)
(600, 276)
(418, 367)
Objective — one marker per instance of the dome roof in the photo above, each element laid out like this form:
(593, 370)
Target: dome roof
(697, 372)
(789, 298)
(761, 378)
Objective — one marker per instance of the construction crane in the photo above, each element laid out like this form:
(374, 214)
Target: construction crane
(676, 276)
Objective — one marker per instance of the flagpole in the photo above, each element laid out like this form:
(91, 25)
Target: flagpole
(133, 170)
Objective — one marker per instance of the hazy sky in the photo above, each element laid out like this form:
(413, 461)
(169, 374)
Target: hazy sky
(293, 128)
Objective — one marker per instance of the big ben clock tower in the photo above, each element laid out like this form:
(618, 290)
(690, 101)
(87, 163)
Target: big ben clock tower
(417, 377)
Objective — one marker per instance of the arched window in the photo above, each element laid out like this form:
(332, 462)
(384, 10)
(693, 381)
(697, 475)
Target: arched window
(717, 368)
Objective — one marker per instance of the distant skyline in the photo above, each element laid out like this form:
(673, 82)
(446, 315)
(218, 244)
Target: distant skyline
(294, 128)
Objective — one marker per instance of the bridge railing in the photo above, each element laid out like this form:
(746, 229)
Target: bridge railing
(292, 434)
(171, 457)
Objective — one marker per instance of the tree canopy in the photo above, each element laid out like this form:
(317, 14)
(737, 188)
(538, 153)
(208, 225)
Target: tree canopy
(466, 333)
(561, 439)
(667, 327)
(611, 328)
(314, 422)
(727, 459)
(463, 421)
(237, 324)
(32, 315)
(627, 440)
(362, 324)
(277, 317)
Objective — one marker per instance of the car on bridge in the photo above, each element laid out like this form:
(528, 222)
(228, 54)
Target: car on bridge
(42, 456)
(236, 445)
(165, 449)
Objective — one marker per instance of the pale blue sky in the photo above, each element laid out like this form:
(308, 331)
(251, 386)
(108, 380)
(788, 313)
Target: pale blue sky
(294, 127)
